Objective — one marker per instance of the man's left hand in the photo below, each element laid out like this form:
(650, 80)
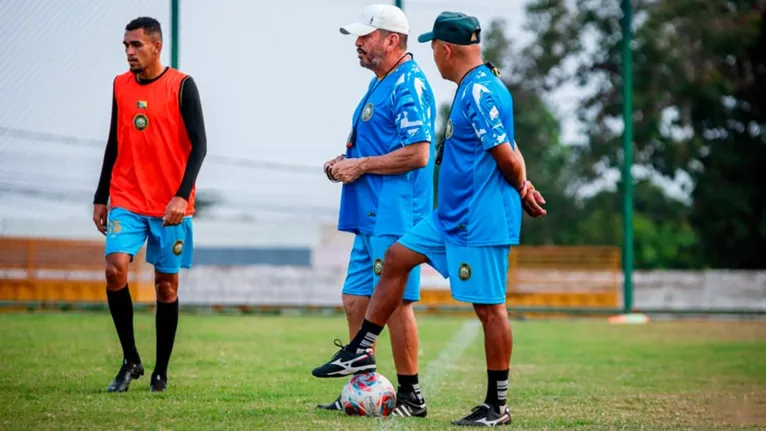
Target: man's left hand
(532, 201)
(347, 170)
(175, 211)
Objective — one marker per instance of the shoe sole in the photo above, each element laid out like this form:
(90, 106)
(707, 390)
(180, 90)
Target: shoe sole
(346, 372)
(479, 424)
(402, 415)
(132, 377)
(332, 408)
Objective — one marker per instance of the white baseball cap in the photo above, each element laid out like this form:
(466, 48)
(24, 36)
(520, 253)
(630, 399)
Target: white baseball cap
(378, 17)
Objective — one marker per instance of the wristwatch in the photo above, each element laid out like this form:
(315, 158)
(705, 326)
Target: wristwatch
(328, 172)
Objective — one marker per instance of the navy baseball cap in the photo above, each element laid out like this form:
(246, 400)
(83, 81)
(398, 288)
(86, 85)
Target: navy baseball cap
(453, 27)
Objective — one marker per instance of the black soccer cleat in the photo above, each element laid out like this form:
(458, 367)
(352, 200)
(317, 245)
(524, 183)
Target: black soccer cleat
(158, 384)
(409, 405)
(128, 371)
(335, 405)
(345, 363)
(485, 416)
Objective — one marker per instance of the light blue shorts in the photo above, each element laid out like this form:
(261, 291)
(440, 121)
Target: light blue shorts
(477, 274)
(366, 264)
(168, 248)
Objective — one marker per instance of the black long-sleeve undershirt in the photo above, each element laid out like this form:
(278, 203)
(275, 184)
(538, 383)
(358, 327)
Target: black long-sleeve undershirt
(191, 113)
(110, 157)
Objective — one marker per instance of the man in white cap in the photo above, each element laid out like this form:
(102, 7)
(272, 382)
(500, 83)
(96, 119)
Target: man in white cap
(387, 176)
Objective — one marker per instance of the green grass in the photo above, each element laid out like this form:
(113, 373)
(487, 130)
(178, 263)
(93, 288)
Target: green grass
(247, 372)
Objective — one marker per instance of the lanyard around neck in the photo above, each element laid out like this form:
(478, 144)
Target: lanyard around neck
(440, 152)
(352, 135)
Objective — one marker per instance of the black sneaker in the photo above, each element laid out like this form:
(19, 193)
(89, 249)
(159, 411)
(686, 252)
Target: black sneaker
(345, 363)
(409, 405)
(159, 383)
(335, 405)
(485, 416)
(128, 371)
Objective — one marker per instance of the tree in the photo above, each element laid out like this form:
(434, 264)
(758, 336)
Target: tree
(729, 201)
(698, 109)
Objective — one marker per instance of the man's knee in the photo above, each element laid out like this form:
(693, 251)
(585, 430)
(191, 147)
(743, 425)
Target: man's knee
(405, 307)
(491, 313)
(166, 286)
(399, 260)
(355, 304)
(116, 274)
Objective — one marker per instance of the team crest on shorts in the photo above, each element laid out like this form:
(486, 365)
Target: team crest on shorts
(367, 112)
(448, 132)
(140, 122)
(113, 227)
(377, 267)
(178, 247)
(464, 272)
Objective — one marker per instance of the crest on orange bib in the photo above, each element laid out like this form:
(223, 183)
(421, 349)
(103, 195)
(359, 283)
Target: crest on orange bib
(140, 122)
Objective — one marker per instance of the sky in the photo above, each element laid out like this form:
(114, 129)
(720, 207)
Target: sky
(278, 84)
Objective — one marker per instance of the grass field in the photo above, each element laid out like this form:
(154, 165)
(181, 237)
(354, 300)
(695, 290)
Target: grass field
(247, 372)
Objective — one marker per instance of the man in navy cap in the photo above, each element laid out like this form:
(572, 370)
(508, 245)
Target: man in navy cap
(482, 190)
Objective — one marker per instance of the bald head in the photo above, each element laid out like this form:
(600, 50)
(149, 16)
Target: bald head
(454, 60)
(465, 51)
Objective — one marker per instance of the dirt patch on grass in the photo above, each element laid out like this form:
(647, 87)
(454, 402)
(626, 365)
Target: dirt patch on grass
(745, 410)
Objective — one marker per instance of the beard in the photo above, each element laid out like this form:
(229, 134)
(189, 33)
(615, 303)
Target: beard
(370, 59)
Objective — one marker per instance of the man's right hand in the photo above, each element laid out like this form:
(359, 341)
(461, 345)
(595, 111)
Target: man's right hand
(100, 214)
(328, 167)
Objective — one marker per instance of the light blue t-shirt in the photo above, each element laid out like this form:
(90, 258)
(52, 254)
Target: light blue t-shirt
(476, 205)
(400, 110)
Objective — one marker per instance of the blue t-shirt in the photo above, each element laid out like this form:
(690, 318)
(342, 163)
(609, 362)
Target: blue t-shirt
(400, 110)
(476, 205)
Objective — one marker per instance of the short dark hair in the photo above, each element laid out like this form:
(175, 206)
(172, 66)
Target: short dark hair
(150, 26)
(402, 37)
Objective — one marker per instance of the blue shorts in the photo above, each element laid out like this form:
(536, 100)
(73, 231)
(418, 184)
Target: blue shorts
(366, 264)
(477, 274)
(169, 248)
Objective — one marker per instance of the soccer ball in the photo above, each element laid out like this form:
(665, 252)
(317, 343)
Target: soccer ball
(368, 394)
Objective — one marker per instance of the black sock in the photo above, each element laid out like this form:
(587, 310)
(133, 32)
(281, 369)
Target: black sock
(366, 337)
(166, 324)
(497, 388)
(121, 307)
(409, 384)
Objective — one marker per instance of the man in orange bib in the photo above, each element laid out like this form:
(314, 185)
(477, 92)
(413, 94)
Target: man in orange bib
(154, 152)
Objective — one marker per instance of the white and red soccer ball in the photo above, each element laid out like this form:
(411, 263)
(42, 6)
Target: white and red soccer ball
(368, 394)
